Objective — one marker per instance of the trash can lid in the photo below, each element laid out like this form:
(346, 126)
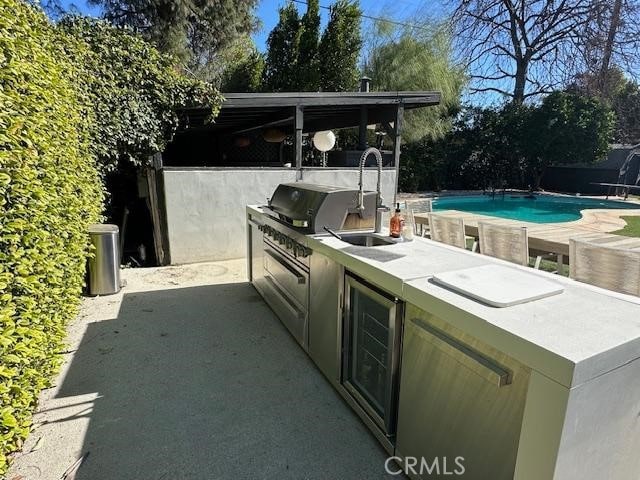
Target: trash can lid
(103, 228)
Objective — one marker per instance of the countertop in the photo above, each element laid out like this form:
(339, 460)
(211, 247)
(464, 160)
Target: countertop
(571, 338)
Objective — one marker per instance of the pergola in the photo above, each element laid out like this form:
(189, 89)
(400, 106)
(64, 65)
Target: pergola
(296, 113)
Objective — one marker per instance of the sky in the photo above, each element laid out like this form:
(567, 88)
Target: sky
(267, 12)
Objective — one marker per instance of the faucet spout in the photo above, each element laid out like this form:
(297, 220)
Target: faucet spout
(379, 207)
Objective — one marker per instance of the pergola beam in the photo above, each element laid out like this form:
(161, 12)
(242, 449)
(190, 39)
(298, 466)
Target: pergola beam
(262, 125)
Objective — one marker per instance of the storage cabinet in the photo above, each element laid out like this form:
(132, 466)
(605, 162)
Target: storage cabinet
(255, 253)
(459, 399)
(325, 279)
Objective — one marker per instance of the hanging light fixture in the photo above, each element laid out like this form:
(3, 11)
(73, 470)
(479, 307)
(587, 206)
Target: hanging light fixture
(324, 140)
(273, 135)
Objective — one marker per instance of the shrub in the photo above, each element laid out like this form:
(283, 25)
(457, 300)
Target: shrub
(567, 129)
(49, 192)
(511, 145)
(132, 91)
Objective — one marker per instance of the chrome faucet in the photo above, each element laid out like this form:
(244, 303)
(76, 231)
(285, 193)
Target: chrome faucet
(380, 208)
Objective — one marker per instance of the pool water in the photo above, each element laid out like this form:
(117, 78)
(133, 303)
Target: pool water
(538, 209)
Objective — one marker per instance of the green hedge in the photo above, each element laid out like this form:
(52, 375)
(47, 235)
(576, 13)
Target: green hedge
(49, 192)
(134, 91)
(77, 99)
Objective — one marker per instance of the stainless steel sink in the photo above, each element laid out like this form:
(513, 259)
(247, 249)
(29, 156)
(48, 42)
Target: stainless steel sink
(365, 240)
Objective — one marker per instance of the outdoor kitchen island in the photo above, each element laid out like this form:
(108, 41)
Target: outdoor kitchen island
(544, 389)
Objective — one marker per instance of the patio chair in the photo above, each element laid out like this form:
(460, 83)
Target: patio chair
(447, 230)
(504, 242)
(612, 268)
(423, 231)
(511, 244)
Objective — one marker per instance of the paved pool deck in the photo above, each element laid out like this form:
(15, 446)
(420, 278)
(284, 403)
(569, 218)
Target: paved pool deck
(187, 374)
(605, 220)
(594, 226)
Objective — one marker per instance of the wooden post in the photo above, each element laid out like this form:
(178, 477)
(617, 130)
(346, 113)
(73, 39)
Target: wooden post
(365, 82)
(154, 208)
(362, 131)
(397, 130)
(299, 123)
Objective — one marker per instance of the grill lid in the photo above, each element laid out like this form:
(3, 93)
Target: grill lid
(311, 206)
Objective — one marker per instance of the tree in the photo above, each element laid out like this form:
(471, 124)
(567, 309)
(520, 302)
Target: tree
(511, 145)
(308, 54)
(499, 150)
(297, 61)
(612, 31)
(245, 67)
(517, 48)
(418, 59)
(340, 48)
(610, 41)
(526, 48)
(620, 94)
(518, 142)
(481, 151)
(625, 102)
(283, 49)
(566, 129)
(195, 31)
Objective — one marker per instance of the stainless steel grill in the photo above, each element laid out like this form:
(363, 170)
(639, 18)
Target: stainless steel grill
(311, 207)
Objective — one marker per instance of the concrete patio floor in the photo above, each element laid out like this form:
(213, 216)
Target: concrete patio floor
(187, 374)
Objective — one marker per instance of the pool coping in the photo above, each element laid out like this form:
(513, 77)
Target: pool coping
(604, 220)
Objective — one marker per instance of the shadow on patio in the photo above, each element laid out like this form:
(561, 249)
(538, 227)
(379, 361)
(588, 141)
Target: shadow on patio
(205, 383)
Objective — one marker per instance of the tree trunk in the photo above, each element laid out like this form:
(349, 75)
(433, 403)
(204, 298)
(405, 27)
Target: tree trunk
(608, 47)
(520, 82)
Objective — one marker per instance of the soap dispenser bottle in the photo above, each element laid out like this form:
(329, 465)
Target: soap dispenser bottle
(396, 223)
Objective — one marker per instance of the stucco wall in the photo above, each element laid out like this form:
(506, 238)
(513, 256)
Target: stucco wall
(205, 208)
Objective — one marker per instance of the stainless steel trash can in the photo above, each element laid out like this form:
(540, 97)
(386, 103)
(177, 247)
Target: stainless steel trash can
(104, 266)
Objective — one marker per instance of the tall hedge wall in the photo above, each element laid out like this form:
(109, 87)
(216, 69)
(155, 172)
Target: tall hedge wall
(49, 193)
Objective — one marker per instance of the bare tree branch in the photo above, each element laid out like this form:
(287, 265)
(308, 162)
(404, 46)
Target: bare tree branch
(528, 47)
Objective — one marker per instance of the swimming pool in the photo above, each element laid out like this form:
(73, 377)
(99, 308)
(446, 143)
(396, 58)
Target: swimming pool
(539, 209)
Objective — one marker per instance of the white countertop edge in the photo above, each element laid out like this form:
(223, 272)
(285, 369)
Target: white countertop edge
(568, 369)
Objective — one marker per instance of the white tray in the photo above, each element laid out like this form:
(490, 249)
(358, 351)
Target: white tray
(497, 285)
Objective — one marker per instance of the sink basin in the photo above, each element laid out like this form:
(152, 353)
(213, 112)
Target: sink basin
(366, 240)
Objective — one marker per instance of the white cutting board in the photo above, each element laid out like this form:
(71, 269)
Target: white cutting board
(497, 285)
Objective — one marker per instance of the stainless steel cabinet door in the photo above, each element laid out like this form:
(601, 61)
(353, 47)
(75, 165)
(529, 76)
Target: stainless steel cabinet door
(255, 257)
(459, 399)
(324, 315)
